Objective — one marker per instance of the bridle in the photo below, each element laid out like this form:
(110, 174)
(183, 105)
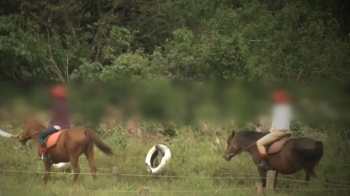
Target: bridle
(27, 136)
(240, 151)
(23, 138)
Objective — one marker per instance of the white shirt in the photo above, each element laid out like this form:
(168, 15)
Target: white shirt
(281, 117)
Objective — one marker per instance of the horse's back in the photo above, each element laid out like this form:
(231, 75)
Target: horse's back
(71, 140)
(277, 146)
(74, 134)
(289, 143)
(305, 142)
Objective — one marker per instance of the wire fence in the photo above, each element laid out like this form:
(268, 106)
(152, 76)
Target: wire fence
(179, 191)
(329, 186)
(230, 191)
(169, 176)
(202, 159)
(162, 176)
(211, 158)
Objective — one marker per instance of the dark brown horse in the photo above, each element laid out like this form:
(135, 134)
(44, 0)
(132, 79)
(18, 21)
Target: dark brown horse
(66, 146)
(286, 156)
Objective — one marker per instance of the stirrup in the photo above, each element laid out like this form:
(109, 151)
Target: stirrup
(45, 157)
(264, 165)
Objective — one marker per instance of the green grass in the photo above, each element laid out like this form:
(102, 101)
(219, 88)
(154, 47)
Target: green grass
(197, 168)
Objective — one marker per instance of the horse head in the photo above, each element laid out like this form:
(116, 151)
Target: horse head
(232, 147)
(30, 129)
(239, 142)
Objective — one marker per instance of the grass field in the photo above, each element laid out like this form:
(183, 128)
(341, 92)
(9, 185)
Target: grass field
(197, 168)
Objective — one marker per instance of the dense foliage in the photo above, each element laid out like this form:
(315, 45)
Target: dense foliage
(115, 40)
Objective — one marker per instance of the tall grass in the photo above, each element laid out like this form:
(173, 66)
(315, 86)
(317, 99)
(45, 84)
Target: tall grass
(197, 168)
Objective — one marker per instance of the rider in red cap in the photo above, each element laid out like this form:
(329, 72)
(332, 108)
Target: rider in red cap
(60, 118)
(280, 125)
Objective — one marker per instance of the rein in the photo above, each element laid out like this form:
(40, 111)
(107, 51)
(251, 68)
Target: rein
(241, 150)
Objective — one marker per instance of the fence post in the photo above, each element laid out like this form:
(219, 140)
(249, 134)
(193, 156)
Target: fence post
(115, 176)
(259, 188)
(0, 180)
(144, 191)
(270, 180)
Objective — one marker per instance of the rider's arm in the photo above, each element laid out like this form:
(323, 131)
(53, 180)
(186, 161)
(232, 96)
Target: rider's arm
(274, 115)
(272, 126)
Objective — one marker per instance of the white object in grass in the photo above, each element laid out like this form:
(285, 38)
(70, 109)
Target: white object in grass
(62, 166)
(153, 153)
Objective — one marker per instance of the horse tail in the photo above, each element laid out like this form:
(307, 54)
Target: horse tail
(99, 143)
(311, 155)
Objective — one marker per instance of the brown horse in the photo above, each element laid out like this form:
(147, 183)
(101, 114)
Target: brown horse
(66, 146)
(286, 156)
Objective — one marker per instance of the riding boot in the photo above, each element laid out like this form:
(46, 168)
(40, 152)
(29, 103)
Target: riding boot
(44, 154)
(264, 164)
(45, 157)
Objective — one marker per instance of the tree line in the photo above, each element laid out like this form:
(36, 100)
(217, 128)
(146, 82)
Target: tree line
(109, 41)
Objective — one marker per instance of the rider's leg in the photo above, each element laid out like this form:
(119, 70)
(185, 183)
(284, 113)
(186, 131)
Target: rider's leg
(42, 136)
(267, 139)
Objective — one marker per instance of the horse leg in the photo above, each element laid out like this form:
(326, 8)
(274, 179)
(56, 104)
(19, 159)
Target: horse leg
(262, 174)
(307, 177)
(47, 172)
(89, 153)
(74, 161)
(309, 169)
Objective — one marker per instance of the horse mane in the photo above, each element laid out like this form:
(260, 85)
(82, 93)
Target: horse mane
(34, 123)
(253, 135)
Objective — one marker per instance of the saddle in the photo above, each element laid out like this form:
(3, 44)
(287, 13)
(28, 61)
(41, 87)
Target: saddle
(277, 146)
(52, 139)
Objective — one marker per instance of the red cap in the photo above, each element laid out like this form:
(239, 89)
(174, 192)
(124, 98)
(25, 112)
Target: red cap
(59, 91)
(280, 96)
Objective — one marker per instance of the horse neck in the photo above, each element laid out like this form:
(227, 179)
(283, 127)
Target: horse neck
(253, 150)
